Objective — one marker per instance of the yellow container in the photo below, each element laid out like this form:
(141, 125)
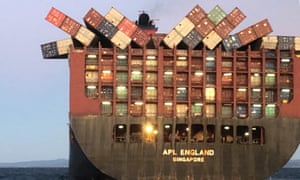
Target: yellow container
(114, 16)
(184, 27)
(212, 40)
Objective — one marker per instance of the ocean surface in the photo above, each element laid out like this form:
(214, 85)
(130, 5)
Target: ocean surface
(62, 174)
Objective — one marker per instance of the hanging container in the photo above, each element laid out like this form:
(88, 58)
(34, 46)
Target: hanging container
(204, 27)
(85, 36)
(121, 40)
(55, 17)
(107, 29)
(216, 15)
(224, 28)
(212, 40)
(70, 26)
(49, 50)
(184, 27)
(172, 39)
(262, 28)
(196, 14)
(63, 46)
(192, 39)
(127, 27)
(114, 16)
(235, 17)
(93, 18)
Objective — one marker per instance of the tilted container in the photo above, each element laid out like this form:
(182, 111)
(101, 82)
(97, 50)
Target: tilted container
(216, 15)
(196, 14)
(184, 27)
(121, 40)
(114, 16)
(262, 28)
(157, 39)
(235, 17)
(49, 50)
(85, 36)
(212, 40)
(107, 29)
(247, 35)
(204, 27)
(140, 37)
(93, 18)
(70, 26)
(63, 46)
(127, 27)
(224, 28)
(192, 39)
(230, 42)
(55, 17)
(56, 49)
(172, 39)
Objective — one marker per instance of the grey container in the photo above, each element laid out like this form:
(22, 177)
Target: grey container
(192, 39)
(107, 29)
(230, 42)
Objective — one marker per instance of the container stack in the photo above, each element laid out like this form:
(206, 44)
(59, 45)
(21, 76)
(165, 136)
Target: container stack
(70, 26)
(56, 49)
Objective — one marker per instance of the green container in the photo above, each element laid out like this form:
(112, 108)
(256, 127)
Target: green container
(121, 109)
(270, 111)
(216, 14)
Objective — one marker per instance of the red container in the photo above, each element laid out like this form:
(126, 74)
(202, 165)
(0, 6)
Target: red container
(55, 17)
(262, 28)
(204, 27)
(235, 17)
(196, 15)
(247, 35)
(70, 26)
(157, 39)
(93, 18)
(140, 37)
(127, 27)
(224, 28)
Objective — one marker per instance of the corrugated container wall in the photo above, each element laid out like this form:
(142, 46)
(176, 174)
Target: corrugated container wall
(297, 43)
(262, 28)
(212, 40)
(140, 37)
(184, 27)
(127, 27)
(57, 48)
(63, 46)
(93, 18)
(235, 17)
(285, 42)
(196, 15)
(172, 39)
(247, 35)
(231, 41)
(216, 15)
(85, 36)
(70, 26)
(107, 29)
(114, 16)
(204, 27)
(269, 42)
(49, 50)
(224, 28)
(121, 40)
(192, 39)
(55, 17)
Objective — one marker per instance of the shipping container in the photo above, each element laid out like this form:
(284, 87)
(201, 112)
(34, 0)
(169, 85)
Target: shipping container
(297, 43)
(247, 35)
(270, 95)
(106, 108)
(227, 111)
(127, 27)
(270, 111)
(235, 17)
(157, 39)
(114, 16)
(286, 80)
(216, 15)
(55, 17)
(172, 39)
(197, 77)
(204, 27)
(168, 78)
(63, 46)
(181, 94)
(150, 110)
(262, 28)
(242, 111)
(151, 78)
(270, 79)
(227, 95)
(122, 77)
(181, 110)
(256, 95)
(210, 94)
(231, 42)
(168, 93)
(285, 95)
(70, 26)
(151, 93)
(241, 79)
(196, 14)
(285, 42)
(122, 92)
(136, 93)
(85, 36)
(91, 76)
(106, 76)
(210, 110)
(136, 109)
(121, 109)
(107, 29)
(121, 40)
(106, 92)
(184, 27)
(269, 42)
(136, 76)
(196, 94)
(256, 80)
(241, 95)
(93, 18)
(224, 28)
(197, 109)
(192, 39)
(227, 78)
(182, 78)
(212, 40)
(49, 50)
(91, 91)
(256, 110)
(140, 37)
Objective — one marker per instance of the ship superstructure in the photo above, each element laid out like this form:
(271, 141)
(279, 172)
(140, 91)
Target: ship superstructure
(196, 103)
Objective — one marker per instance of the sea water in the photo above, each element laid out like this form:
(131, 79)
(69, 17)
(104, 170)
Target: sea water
(62, 174)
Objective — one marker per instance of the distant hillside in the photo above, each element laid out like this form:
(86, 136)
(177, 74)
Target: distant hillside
(45, 163)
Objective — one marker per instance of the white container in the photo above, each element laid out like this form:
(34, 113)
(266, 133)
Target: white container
(172, 39)
(63, 46)
(121, 40)
(184, 27)
(85, 36)
(114, 16)
(212, 40)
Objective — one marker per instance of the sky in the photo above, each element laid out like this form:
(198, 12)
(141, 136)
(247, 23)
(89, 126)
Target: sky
(34, 92)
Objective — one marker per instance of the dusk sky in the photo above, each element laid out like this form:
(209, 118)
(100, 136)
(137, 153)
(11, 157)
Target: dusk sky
(34, 93)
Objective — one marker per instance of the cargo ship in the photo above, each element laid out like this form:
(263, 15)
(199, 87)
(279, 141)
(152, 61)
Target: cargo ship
(194, 103)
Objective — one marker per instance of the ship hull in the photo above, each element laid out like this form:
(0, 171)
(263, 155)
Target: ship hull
(92, 143)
